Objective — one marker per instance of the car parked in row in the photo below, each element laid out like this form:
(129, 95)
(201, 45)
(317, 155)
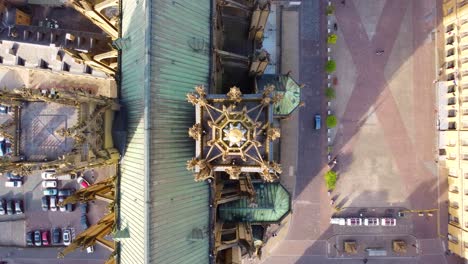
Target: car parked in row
(50, 191)
(2, 207)
(83, 183)
(29, 239)
(56, 235)
(66, 237)
(371, 221)
(48, 175)
(388, 221)
(37, 238)
(19, 207)
(14, 183)
(354, 221)
(49, 184)
(53, 203)
(45, 203)
(45, 238)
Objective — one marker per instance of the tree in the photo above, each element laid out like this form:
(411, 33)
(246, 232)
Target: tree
(330, 10)
(330, 180)
(330, 66)
(330, 93)
(332, 38)
(332, 121)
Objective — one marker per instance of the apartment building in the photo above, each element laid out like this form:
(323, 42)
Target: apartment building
(453, 112)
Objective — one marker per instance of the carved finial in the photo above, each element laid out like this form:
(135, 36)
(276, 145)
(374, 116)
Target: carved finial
(235, 94)
(234, 172)
(278, 97)
(191, 164)
(192, 98)
(273, 133)
(195, 131)
(200, 89)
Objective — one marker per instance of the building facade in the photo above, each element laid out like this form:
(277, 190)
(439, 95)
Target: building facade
(453, 121)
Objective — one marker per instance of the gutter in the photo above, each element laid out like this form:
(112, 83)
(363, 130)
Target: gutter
(147, 128)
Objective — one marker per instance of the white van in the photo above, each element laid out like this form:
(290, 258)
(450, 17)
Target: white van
(13, 183)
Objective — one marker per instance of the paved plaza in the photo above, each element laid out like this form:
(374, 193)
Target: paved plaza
(385, 141)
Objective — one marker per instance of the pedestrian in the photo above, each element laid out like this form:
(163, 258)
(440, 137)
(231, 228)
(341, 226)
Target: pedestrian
(335, 26)
(343, 2)
(364, 260)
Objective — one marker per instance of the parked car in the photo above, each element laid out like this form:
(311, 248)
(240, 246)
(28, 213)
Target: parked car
(61, 207)
(83, 183)
(84, 222)
(49, 184)
(66, 237)
(388, 221)
(50, 191)
(318, 121)
(16, 183)
(13, 176)
(37, 238)
(337, 221)
(56, 235)
(84, 208)
(48, 175)
(45, 203)
(371, 221)
(2, 207)
(354, 221)
(90, 249)
(53, 203)
(3, 147)
(45, 238)
(29, 239)
(65, 192)
(4, 109)
(18, 207)
(9, 205)
(65, 176)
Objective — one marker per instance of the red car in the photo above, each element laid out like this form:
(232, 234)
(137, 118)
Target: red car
(84, 183)
(45, 238)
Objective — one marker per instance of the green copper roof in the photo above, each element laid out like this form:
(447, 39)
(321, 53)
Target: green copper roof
(272, 204)
(286, 86)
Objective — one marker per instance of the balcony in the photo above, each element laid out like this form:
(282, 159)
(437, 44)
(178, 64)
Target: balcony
(453, 189)
(450, 40)
(452, 113)
(454, 205)
(452, 239)
(465, 111)
(452, 156)
(451, 101)
(450, 77)
(449, 28)
(454, 220)
(452, 125)
(450, 52)
(451, 89)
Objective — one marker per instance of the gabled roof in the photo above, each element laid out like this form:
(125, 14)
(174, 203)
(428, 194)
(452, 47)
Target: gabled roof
(162, 60)
(273, 202)
(286, 86)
